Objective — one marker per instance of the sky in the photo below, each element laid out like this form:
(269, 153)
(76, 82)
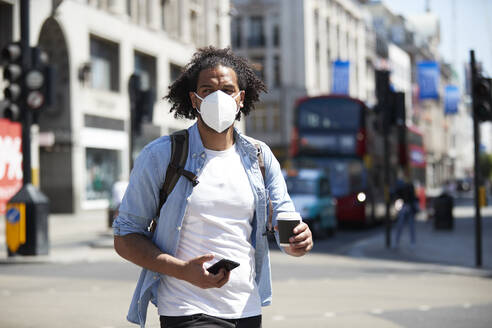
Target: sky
(471, 28)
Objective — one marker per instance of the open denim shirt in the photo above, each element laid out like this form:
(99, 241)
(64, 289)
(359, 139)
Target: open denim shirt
(139, 207)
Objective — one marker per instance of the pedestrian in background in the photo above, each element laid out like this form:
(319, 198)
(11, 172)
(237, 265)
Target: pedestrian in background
(224, 216)
(405, 192)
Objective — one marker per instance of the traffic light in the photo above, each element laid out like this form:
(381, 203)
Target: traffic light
(12, 72)
(38, 81)
(482, 98)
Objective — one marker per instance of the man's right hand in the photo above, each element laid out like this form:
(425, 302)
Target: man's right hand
(195, 273)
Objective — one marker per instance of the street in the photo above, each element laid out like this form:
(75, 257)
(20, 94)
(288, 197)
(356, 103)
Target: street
(346, 281)
(315, 291)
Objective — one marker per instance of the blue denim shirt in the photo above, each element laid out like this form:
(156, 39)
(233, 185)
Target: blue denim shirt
(139, 207)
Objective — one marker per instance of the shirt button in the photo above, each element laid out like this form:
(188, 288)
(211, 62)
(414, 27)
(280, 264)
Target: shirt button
(179, 228)
(188, 199)
(202, 155)
(155, 277)
(198, 170)
(194, 155)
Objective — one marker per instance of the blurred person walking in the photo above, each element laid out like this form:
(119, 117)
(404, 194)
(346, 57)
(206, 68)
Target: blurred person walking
(405, 192)
(223, 216)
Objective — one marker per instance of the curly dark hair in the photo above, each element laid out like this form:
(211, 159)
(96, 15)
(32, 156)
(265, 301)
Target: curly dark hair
(210, 57)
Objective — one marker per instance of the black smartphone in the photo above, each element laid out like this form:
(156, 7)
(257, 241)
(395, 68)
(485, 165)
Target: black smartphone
(224, 263)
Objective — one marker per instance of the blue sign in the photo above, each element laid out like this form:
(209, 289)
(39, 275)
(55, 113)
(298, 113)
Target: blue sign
(341, 76)
(451, 99)
(428, 75)
(13, 215)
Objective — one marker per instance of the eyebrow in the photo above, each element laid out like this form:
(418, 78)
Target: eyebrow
(211, 86)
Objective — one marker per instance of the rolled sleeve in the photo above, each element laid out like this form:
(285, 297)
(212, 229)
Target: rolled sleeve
(139, 205)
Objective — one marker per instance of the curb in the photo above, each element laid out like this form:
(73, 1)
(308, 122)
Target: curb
(405, 257)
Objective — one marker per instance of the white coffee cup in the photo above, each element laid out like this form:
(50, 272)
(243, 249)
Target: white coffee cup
(286, 222)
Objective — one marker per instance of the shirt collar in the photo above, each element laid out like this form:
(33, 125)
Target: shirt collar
(243, 144)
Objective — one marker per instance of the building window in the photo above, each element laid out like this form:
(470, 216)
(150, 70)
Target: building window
(256, 36)
(174, 72)
(129, 8)
(276, 71)
(258, 64)
(103, 168)
(169, 17)
(258, 120)
(104, 64)
(275, 118)
(236, 34)
(217, 35)
(276, 30)
(194, 27)
(145, 67)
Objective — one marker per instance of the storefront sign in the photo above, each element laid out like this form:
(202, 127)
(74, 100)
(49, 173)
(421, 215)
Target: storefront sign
(10, 161)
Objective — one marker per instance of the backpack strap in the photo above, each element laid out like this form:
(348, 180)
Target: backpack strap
(175, 169)
(261, 163)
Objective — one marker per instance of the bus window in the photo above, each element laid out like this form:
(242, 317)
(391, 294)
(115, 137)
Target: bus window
(301, 186)
(343, 114)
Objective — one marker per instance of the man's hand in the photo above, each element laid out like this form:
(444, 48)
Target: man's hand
(195, 273)
(302, 242)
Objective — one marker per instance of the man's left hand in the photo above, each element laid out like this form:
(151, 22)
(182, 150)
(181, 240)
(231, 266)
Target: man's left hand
(301, 242)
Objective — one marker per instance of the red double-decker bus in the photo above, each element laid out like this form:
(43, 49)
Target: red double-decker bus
(338, 134)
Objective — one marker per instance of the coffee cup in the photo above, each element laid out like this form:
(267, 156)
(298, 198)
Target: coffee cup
(286, 222)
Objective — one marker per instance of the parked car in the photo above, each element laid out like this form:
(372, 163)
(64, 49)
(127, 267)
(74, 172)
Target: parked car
(310, 192)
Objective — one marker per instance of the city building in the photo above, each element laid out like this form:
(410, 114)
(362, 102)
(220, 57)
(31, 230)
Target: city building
(418, 36)
(95, 46)
(294, 45)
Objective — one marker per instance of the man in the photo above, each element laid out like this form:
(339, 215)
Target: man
(224, 216)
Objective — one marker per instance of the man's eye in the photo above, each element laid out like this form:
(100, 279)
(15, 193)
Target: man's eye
(229, 92)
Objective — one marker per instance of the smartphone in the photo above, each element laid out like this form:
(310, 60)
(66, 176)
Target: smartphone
(224, 263)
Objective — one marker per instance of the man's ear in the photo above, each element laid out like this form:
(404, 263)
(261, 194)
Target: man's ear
(193, 99)
(242, 96)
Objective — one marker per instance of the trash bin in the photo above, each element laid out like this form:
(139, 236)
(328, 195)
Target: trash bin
(443, 212)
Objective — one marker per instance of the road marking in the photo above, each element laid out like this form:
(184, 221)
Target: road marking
(377, 311)
(278, 318)
(6, 293)
(391, 277)
(330, 314)
(51, 291)
(466, 305)
(424, 308)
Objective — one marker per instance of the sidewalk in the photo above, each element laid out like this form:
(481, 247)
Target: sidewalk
(455, 249)
(73, 238)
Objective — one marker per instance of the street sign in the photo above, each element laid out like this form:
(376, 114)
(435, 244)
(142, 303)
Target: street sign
(35, 99)
(15, 226)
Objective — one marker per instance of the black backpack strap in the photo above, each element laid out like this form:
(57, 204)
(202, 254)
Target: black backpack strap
(175, 169)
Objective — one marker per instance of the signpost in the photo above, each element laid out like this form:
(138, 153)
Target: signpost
(28, 209)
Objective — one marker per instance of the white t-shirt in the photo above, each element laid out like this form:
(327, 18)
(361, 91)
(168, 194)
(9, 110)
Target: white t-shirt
(217, 220)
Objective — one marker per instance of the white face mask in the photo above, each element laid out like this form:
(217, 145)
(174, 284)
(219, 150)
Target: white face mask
(218, 110)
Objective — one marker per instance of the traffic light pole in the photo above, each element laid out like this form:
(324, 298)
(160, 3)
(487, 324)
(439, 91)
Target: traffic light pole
(477, 173)
(387, 200)
(25, 113)
(28, 210)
